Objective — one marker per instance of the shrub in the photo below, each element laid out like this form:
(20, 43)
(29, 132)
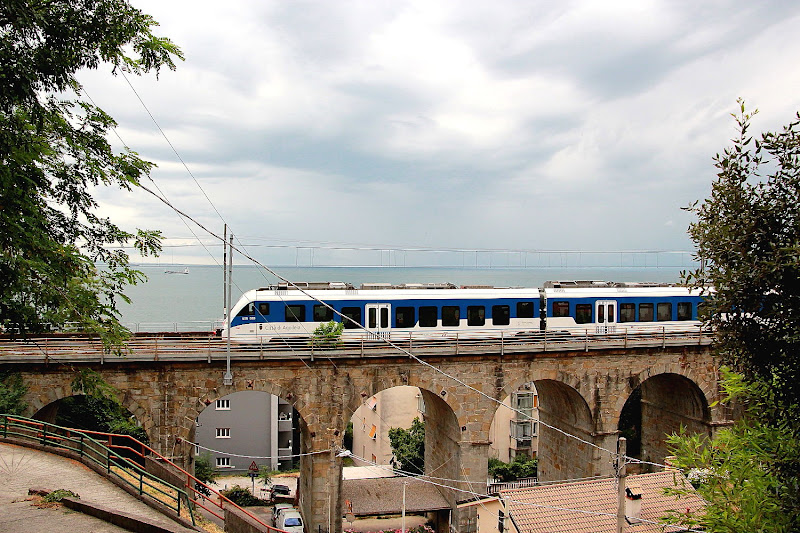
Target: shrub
(242, 497)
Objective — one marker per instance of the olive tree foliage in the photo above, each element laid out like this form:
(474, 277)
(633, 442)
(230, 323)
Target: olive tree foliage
(747, 234)
(54, 149)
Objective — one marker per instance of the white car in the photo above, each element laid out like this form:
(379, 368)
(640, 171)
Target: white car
(278, 509)
(291, 521)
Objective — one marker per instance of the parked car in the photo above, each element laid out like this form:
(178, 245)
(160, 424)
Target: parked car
(277, 509)
(290, 520)
(283, 490)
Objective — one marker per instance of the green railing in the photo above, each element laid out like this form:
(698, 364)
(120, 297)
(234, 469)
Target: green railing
(125, 470)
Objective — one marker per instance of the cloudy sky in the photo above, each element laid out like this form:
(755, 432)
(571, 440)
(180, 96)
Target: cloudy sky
(518, 125)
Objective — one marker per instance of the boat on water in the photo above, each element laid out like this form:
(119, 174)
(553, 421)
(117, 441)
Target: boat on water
(184, 271)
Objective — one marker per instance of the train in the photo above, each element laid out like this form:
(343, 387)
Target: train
(381, 310)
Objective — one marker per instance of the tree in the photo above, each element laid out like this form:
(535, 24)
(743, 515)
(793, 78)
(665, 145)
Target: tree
(203, 469)
(12, 390)
(747, 236)
(520, 467)
(408, 447)
(54, 148)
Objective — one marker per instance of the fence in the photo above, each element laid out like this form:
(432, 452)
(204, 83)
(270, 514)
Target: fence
(109, 451)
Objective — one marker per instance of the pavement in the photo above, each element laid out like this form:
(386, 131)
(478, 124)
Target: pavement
(23, 468)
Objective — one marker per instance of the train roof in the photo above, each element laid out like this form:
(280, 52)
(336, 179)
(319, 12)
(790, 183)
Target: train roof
(431, 291)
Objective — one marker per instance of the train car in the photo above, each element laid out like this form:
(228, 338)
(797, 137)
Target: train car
(282, 312)
(606, 307)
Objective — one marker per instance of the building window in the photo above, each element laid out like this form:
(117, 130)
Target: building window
(223, 433)
(404, 317)
(501, 315)
(197, 450)
(373, 433)
(295, 313)
(476, 315)
(372, 403)
(427, 316)
(583, 313)
(645, 312)
(224, 462)
(223, 405)
(627, 312)
(353, 313)
(322, 313)
(524, 309)
(664, 311)
(684, 310)
(451, 315)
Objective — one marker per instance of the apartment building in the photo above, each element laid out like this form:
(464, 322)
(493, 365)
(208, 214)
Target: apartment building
(513, 432)
(248, 426)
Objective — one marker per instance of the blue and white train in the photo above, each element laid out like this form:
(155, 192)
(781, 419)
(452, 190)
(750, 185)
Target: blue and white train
(443, 310)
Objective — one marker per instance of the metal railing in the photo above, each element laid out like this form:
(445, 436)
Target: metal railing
(478, 342)
(126, 470)
(196, 492)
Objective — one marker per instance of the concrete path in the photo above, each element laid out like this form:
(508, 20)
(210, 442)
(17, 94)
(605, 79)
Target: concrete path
(23, 468)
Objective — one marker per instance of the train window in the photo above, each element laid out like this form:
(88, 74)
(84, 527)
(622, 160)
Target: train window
(583, 313)
(450, 315)
(384, 317)
(560, 309)
(248, 310)
(627, 312)
(612, 315)
(601, 314)
(684, 310)
(664, 311)
(645, 312)
(524, 309)
(353, 313)
(404, 317)
(372, 317)
(263, 308)
(476, 315)
(322, 313)
(295, 313)
(428, 316)
(501, 315)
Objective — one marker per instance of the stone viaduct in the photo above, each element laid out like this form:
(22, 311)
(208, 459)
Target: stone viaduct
(581, 393)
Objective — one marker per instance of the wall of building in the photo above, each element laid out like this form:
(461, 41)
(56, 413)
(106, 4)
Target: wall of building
(391, 408)
(247, 423)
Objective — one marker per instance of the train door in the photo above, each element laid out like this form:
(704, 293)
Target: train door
(605, 312)
(379, 320)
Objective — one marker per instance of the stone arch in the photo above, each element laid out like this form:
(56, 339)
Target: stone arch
(668, 402)
(43, 406)
(706, 385)
(564, 452)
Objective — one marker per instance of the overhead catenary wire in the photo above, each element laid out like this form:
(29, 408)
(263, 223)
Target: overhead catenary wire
(243, 252)
(528, 504)
(387, 341)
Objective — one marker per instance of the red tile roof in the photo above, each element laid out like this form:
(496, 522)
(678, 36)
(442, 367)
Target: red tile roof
(591, 506)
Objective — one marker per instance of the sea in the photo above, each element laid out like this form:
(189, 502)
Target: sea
(171, 300)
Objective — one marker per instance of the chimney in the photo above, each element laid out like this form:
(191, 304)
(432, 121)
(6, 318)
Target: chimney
(633, 503)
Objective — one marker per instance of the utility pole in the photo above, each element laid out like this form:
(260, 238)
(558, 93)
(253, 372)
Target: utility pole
(225, 272)
(621, 474)
(227, 379)
(405, 482)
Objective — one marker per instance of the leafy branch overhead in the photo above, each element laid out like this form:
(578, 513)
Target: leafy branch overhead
(54, 149)
(747, 234)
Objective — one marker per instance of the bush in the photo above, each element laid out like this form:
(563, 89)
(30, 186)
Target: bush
(242, 497)
(521, 467)
(327, 335)
(203, 469)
